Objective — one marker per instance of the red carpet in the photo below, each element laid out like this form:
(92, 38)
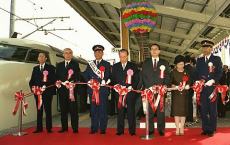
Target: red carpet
(167, 119)
(192, 137)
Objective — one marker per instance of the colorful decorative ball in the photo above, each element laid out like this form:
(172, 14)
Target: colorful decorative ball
(140, 17)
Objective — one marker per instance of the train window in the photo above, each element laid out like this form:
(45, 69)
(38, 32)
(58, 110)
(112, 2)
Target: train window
(33, 56)
(13, 52)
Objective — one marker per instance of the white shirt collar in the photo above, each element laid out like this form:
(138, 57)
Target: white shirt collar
(99, 60)
(208, 56)
(43, 65)
(157, 59)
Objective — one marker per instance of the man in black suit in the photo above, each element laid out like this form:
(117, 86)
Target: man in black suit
(120, 72)
(68, 104)
(151, 75)
(44, 75)
(99, 70)
(209, 69)
(190, 70)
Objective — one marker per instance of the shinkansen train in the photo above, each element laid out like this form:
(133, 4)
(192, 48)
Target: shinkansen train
(17, 59)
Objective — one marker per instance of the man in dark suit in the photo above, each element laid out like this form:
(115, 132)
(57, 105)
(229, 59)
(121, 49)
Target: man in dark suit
(208, 68)
(190, 70)
(120, 75)
(98, 111)
(68, 104)
(151, 70)
(44, 75)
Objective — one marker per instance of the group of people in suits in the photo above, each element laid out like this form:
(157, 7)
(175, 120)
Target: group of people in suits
(155, 71)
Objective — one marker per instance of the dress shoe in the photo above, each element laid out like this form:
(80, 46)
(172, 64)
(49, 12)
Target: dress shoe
(210, 134)
(37, 131)
(49, 131)
(161, 133)
(151, 132)
(204, 133)
(119, 133)
(62, 131)
(75, 131)
(132, 134)
(92, 132)
(102, 132)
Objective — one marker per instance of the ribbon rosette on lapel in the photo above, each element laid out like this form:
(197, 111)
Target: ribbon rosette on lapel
(45, 75)
(185, 79)
(197, 88)
(38, 92)
(122, 91)
(19, 97)
(162, 69)
(210, 67)
(70, 73)
(129, 76)
(95, 86)
(102, 69)
(70, 86)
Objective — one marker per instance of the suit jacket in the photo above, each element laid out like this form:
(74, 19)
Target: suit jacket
(202, 69)
(89, 74)
(119, 75)
(62, 74)
(37, 78)
(151, 77)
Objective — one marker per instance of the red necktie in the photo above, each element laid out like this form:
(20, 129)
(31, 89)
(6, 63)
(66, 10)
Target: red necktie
(155, 64)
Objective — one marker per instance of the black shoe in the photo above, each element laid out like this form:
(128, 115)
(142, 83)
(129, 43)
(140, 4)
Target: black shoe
(102, 132)
(132, 134)
(62, 131)
(92, 132)
(37, 131)
(210, 134)
(119, 133)
(49, 131)
(151, 132)
(204, 133)
(161, 133)
(75, 131)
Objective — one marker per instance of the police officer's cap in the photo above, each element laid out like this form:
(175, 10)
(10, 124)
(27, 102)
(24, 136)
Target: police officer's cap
(207, 43)
(98, 47)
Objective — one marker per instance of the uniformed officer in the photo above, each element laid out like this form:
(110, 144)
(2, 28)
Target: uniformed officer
(99, 70)
(208, 68)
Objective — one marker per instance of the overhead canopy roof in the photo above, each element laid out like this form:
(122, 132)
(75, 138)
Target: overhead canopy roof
(181, 24)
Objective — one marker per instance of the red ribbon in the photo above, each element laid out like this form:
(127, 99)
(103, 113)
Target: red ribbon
(19, 97)
(38, 91)
(95, 86)
(161, 91)
(197, 88)
(122, 91)
(102, 69)
(70, 86)
(220, 89)
(148, 95)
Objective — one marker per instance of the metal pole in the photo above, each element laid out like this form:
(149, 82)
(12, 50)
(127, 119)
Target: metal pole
(20, 133)
(147, 136)
(12, 17)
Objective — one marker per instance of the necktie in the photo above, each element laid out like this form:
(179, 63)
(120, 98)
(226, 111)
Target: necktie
(206, 59)
(97, 62)
(123, 66)
(41, 68)
(67, 64)
(155, 64)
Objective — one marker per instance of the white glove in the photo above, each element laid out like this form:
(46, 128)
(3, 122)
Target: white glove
(210, 82)
(186, 87)
(108, 81)
(130, 88)
(66, 82)
(43, 87)
(103, 83)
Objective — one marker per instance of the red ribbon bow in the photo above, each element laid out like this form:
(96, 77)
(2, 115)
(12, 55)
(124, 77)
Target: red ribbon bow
(70, 86)
(148, 95)
(197, 88)
(122, 91)
(223, 90)
(38, 92)
(95, 86)
(162, 89)
(19, 97)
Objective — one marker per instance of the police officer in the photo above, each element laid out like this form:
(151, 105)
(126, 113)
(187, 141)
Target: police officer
(208, 68)
(99, 70)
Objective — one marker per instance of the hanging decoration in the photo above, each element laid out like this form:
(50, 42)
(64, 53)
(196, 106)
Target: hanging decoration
(139, 16)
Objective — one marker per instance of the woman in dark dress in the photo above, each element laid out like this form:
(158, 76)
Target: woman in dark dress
(180, 80)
